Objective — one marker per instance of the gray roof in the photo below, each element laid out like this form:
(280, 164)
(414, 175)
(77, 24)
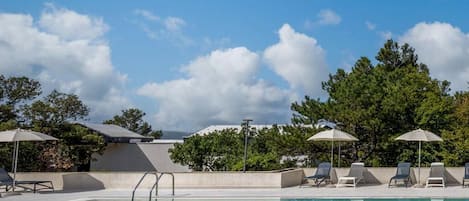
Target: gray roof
(174, 135)
(113, 131)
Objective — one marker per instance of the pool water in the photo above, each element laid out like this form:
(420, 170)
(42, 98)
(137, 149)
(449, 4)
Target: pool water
(289, 199)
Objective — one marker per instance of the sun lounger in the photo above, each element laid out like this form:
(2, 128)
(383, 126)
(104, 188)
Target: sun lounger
(7, 181)
(402, 174)
(437, 175)
(355, 175)
(466, 175)
(322, 174)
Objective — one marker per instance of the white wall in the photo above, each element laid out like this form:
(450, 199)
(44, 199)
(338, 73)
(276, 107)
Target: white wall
(77, 181)
(136, 157)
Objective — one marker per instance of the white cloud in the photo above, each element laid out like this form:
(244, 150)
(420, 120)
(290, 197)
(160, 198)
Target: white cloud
(220, 88)
(328, 17)
(163, 28)
(70, 25)
(444, 48)
(298, 59)
(146, 14)
(174, 24)
(211, 44)
(370, 25)
(385, 35)
(49, 51)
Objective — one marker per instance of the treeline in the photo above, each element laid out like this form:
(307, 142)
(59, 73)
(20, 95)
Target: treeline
(374, 102)
(22, 105)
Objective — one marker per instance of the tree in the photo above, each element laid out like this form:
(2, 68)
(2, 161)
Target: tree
(52, 115)
(13, 91)
(80, 144)
(224, 150)
(219, 150)
(457, 136)
(132, 119)
(378, 102)
(308, 111)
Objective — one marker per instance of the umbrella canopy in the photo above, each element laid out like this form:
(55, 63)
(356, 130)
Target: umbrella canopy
(18, 135)
(332, 135)
(420, 136)
(23, 135)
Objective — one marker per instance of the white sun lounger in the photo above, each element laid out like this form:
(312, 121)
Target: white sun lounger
(437, 175)
(354, 176)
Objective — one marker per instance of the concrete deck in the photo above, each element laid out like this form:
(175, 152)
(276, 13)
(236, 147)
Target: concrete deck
(377, 191)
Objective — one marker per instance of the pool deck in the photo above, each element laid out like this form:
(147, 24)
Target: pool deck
(376, 191)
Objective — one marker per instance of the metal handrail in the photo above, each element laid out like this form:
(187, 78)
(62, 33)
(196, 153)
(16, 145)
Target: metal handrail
(159, 177)
(155, 185)
(139, 182)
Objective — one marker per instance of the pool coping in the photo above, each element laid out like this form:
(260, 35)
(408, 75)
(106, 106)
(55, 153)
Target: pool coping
(361, 192)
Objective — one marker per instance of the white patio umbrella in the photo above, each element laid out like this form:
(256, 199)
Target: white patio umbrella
(420, 136)
(18, 135)
(333, 135)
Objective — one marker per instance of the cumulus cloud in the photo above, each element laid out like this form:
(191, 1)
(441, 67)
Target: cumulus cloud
(64, 50)
(444, 48)
(220, 87)
(70, 25)
(223, 87)
(163, 28)
(298, 59)
(328, 17)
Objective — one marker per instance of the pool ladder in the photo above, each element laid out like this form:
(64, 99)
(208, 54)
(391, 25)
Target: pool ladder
(155, 186)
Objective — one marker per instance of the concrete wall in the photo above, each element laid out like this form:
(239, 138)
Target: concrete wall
(271, 179)
(127, 180)
(136, 157)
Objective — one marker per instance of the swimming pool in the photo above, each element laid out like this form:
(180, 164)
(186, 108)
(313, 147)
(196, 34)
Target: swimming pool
(289, 199)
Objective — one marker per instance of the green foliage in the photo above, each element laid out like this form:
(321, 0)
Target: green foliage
(258, 161)
(51, 116)
(457, 136)
(376, 103)
(224, 150)
(13, 91)
(132, 119)
(51, 113)
(309, 111)
(80, 144)
(219, 150)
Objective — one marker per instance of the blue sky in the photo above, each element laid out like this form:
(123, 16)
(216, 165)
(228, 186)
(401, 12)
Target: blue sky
(189, 64)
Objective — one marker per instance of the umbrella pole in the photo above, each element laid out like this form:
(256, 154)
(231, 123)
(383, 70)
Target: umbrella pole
(332, 153)
(420, 147)
(338, 160)
(17, 144)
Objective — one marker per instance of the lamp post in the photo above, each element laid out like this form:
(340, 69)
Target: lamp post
(246, 133)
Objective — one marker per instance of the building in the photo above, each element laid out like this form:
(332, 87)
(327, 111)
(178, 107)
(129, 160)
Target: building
(320, 124)
(238, 128)
(130, 151)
